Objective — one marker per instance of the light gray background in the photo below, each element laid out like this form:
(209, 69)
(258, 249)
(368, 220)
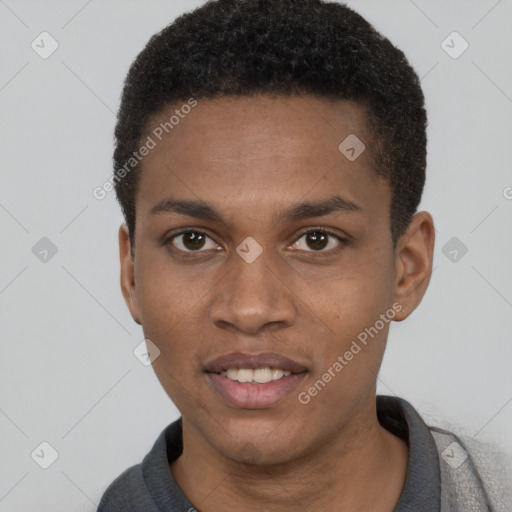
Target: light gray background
(67, 373)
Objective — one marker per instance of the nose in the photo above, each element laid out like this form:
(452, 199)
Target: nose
(253, 296)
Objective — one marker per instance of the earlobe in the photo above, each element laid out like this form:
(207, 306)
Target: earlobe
(128, 274)
(413, 263)
(134, 304)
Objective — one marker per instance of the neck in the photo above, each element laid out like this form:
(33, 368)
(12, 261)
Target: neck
(363, 464)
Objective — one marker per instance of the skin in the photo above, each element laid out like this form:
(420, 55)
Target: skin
(251, 158)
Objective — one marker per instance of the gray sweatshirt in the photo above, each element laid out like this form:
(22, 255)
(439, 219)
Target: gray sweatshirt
(445, 473)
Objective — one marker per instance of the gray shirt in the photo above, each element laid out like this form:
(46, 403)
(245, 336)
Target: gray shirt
(150, 486)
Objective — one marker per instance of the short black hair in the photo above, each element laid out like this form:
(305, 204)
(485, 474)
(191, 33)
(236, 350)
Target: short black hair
(281, 47)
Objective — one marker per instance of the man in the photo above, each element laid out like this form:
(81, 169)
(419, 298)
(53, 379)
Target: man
(270, 158)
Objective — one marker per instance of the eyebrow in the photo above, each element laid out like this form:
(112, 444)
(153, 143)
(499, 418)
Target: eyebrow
(201, 210)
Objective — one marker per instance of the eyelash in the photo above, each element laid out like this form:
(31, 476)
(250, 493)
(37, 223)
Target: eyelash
(314, 254)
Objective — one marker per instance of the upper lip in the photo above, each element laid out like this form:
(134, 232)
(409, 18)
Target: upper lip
(253, 361)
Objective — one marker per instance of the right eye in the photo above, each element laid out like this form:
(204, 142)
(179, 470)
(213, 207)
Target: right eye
(191, 241)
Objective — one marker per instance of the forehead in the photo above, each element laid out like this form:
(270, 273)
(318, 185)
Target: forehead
(274, 147)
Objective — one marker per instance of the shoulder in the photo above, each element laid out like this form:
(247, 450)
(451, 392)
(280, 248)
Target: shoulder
(127, 493)
(141, 486)
(473, 473)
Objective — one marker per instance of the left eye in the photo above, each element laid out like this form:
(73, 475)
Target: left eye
(318, 240)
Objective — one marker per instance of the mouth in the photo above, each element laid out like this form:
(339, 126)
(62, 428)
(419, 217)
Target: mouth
(254, 381)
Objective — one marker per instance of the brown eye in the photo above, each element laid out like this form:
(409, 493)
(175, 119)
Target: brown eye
(318, 240)
(193, 240)
(190, 241)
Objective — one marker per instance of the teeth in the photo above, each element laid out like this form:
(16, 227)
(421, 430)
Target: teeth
(245, 375)
(259, 376)
(232, 373)
(277, 374)
(262, 375)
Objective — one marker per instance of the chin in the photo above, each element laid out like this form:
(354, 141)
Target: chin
(257, 447)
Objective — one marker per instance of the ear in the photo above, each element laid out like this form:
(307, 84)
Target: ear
(128, 273)
(413, 263)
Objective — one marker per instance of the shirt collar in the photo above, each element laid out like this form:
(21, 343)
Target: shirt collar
(422, 488)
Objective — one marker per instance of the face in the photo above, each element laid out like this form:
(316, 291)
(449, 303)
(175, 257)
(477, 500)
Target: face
(260, 246)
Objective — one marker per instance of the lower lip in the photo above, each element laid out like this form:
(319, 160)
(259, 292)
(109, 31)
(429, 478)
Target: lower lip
(255, 396)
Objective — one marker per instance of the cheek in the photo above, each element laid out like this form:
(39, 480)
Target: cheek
(348, 308)
(170, 310)
(170, 321)
(353, 299)
(348, 358)
(167, 294)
